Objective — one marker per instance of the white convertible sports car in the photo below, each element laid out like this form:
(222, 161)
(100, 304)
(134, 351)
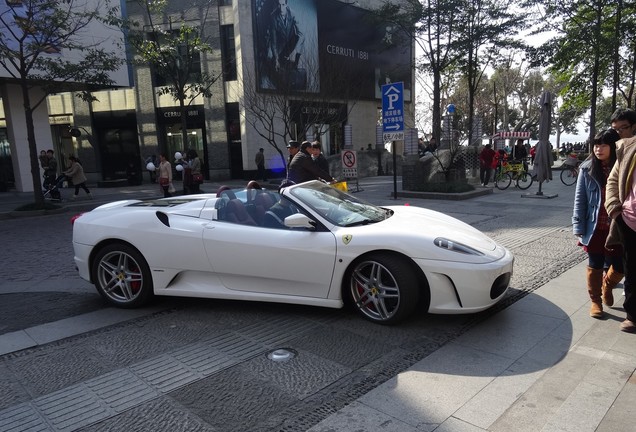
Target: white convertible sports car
(310, 244)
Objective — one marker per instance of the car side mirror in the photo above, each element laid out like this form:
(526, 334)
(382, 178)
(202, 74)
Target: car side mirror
(299, 220)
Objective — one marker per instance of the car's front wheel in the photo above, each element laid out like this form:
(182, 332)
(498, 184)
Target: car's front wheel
(383, 288)
(122, 276)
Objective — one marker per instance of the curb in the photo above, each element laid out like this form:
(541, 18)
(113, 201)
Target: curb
(31, 213)
(444, 196)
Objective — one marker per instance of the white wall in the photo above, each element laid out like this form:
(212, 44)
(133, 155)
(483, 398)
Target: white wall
(16, 122)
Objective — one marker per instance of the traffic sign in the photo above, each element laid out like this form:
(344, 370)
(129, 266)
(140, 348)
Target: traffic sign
(393, 111)
(349, 164)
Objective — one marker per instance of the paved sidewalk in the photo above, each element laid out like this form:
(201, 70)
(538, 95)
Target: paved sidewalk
(540, 364)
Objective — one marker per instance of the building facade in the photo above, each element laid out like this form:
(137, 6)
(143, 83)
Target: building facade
(287, 69)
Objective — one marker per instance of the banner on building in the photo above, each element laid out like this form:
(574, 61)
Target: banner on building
(313, 46)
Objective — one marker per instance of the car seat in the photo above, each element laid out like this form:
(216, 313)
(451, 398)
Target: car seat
(236, 212)
(262, 202)
(225, 191)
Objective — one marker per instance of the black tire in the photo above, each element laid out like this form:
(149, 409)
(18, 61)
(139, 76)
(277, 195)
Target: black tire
(383, 288)
(502, 181)
(122, 276)
(524, 180)
(568, 176)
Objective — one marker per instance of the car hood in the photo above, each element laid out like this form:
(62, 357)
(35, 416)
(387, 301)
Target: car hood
(411, 219)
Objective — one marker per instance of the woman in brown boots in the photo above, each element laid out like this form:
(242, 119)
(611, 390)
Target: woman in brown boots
(591, 223)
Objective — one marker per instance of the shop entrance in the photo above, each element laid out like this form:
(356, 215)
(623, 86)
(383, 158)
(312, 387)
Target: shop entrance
(174, 140)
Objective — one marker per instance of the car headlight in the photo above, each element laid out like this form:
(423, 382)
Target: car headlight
(455, 246)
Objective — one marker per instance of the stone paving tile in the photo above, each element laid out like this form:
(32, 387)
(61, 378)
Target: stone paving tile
(43, 372)
(11, 391)
(358, 417)
(348, 348)
(616, 419)
(233, 401)
(161, 414)
(534, 409)
(38, 308)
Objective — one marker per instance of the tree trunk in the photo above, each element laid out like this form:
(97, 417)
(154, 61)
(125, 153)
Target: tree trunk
(595, 75)
(38, 195)
(184, 125)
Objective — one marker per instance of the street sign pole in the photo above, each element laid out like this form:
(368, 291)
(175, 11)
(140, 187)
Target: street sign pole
(393, 120)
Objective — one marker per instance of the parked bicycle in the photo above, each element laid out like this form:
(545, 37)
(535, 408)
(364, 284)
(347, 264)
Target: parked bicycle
(570, 171)
(515, 170)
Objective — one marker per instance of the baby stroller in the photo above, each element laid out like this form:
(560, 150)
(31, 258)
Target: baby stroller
(52, 187)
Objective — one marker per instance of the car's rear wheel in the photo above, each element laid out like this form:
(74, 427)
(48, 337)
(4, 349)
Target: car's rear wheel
(383, 288)
(122, 276)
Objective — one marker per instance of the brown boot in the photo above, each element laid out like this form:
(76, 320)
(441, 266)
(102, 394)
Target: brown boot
(610, 280)
(594, 289)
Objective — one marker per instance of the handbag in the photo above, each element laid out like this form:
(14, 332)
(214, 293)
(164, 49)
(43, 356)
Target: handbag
(164, 181)
(171, 188)
(197, 178)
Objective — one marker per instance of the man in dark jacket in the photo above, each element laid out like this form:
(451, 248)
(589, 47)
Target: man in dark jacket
(317, 156)
(293, 147)
(50, 173)
(302, 167)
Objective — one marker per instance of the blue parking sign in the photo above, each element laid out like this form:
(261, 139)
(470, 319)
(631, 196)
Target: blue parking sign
(393, 111)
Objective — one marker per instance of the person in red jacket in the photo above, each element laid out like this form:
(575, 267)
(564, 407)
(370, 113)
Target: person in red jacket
(486, 157)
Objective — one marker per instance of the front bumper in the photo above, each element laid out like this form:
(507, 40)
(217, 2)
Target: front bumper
(458, 288)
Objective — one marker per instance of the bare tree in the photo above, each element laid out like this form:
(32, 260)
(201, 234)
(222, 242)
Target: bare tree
(273, 114)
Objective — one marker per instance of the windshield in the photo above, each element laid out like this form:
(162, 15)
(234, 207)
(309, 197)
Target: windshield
(338, 207)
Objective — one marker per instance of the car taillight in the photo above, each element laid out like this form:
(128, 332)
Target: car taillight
(74, 218)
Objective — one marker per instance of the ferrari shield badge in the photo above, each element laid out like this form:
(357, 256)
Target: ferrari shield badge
(346, 238)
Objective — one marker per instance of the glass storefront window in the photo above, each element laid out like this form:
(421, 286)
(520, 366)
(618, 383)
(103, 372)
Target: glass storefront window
(174, 139)
(6, 164)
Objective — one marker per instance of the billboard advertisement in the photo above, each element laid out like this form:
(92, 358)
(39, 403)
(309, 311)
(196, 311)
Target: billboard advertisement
(308, 46)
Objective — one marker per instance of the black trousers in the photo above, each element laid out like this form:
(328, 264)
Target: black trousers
(628, 239)
(485, 174)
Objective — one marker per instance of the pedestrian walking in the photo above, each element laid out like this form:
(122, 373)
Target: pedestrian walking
(77, 176)
(165, 175)
(620, 204)
(590, 222)
(259, 159)
(50, 172)
(486, 157)
(195, 171)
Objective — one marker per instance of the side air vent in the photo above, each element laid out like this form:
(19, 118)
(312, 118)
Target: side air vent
(163, 218)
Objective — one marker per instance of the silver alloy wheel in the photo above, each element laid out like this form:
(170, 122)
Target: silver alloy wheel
(120, 277)
(375, 291)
